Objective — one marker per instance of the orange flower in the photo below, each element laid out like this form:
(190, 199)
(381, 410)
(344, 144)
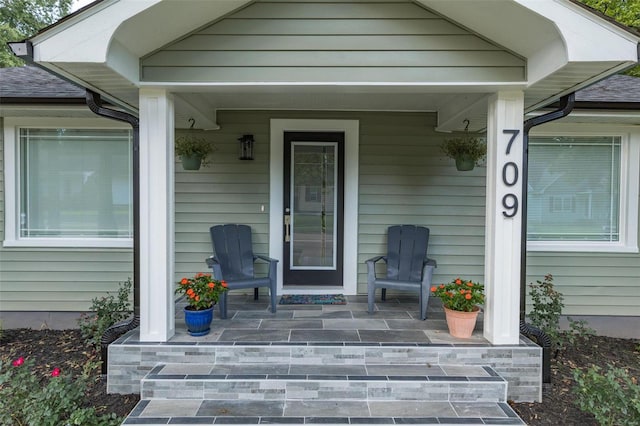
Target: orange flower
(463, 291)
(441, 285)
(470, 284)
(433, 288)
(458, 281)
(184, 281)
(197, 298)
(224, 284)
(190, 291)
(467, 296)
(211, 285)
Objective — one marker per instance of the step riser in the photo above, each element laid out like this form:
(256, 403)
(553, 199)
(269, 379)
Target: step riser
(519, 365)
(332, 390)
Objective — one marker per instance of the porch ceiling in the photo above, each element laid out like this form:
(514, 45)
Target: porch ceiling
(566, 48)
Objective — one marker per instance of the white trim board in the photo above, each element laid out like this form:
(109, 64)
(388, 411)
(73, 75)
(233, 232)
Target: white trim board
(276, 182)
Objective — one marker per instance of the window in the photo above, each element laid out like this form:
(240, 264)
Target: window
(73, 187)
(579, 195)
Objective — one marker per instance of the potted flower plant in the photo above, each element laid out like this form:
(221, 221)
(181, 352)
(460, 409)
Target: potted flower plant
(467, 151)
(460, 298)
(202, 293)
(193, 151)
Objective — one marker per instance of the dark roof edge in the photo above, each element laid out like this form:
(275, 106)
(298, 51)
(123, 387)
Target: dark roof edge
(42, 101)
(66, 18)
(617, 106)
(632, 30)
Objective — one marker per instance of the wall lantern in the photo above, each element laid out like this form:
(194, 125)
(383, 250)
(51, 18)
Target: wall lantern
(246, 147)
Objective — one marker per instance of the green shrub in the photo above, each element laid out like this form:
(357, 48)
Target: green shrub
(28, 400)
(105, 311)
(545, 315)
(612, 397)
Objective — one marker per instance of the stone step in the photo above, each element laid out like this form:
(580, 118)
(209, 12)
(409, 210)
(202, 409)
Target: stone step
(195, 411)
(286, 382)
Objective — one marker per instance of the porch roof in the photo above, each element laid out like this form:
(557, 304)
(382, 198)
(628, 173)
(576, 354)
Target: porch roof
(565, 46)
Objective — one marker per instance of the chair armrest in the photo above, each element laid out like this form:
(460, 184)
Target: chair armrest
(214, 264)
(376, 259)
(427, 271)
(264, 258)
(211, 260)
(273, 265)
(371, 267)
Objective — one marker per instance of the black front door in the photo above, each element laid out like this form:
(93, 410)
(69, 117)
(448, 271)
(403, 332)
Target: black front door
(313, 208)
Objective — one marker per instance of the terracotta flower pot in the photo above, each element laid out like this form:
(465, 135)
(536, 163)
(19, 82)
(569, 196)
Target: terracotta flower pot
(461, 324)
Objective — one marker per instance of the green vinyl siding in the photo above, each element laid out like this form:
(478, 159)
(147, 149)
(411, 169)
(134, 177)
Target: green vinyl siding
(350, 41)
(403, 179)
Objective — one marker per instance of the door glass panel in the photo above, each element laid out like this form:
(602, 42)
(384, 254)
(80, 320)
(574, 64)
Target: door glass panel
(313, 222)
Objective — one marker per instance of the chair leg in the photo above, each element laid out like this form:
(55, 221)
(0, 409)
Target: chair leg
(223, 305)
(274, 296)
(371, 297)
(383, 297)
(424, 301)
(255, 293)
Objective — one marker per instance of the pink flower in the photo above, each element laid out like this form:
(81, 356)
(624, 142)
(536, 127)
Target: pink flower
(18, 362)
(55, 372)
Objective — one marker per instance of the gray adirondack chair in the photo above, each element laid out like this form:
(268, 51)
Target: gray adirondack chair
(408, 267)
(233, 262)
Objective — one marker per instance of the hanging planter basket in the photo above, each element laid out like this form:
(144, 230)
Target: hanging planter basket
(193, 149)
(465, 163)
(467, 149)
(191, 162)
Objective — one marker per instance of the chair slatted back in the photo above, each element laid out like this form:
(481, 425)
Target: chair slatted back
(406, 252)
(233, 248)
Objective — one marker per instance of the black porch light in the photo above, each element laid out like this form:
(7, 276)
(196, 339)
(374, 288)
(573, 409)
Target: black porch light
(246, 147)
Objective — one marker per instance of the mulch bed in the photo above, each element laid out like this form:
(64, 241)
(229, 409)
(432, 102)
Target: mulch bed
(66, 350)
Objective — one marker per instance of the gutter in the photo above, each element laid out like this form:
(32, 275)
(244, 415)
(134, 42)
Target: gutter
(566, 106)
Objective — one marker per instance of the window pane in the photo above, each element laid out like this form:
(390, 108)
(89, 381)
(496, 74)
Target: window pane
(76, 183)
(573, 192)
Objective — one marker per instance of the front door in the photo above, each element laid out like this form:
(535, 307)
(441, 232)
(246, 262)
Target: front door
(313, 208)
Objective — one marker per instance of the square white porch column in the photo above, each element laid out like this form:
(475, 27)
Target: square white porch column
(503, 217)
(157, 308)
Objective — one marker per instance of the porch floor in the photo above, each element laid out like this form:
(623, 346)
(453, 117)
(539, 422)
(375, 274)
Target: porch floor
(395, 321)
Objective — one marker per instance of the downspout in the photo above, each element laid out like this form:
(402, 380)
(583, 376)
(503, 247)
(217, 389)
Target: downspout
(115, 331)
(566, 106)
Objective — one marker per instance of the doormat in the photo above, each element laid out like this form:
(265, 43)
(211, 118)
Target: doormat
(313, 299)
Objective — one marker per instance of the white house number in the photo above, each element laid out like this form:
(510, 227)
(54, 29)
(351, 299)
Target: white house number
(510, 177)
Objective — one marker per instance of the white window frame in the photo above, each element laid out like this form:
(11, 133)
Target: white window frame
(12, 170)
(629, 183)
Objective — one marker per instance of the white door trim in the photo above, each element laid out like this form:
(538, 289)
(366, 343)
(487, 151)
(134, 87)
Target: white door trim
(276, 175)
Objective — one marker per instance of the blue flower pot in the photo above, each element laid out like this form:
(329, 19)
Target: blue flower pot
(198, 322)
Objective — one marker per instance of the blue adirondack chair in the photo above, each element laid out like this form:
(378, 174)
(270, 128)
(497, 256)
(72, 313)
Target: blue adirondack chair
(408, 267)
(233, 261)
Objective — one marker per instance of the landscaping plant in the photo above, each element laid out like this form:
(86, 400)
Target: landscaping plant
(105, 311)
(26, 399)
(547, 304)
(612, 396)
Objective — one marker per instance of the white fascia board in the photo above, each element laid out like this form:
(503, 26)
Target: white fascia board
(588, 38)
(86, 37)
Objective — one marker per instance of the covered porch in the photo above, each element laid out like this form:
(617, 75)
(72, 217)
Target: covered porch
(334, 364)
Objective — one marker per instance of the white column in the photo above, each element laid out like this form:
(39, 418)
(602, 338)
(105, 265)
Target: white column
(503, 217)
(157, 316)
